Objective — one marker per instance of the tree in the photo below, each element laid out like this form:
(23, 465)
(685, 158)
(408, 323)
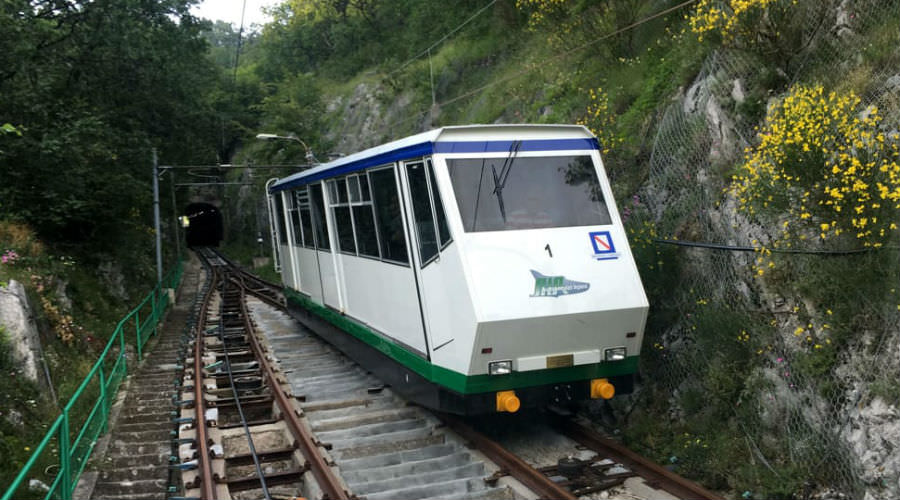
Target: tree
(93, 86)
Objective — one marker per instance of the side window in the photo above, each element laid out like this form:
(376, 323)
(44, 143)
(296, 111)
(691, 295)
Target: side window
(317, 207)
(423, 216)
(278, 215)
(443, 229)
(363, 215)
(294, 217)
(387, 215)
(340, 209)
(303, 212)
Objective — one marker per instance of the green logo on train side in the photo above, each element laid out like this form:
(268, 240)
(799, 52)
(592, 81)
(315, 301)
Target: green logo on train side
(554, 286)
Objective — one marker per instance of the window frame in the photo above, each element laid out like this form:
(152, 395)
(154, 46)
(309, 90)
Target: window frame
(334, 184)
(597, 169)
(362, 202)
(428, 166)
(431, 192)
(301, 198)
(278, 215)
(313, 206)
(296, 231)
(398, 190)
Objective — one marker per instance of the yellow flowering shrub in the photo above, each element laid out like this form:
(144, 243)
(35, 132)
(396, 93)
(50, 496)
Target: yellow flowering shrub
(823, 168)
(540, 10)
(600, 120)
(724, 17)
(775, 29)
(563, 21)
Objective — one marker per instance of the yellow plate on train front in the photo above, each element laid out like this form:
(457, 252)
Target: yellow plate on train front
(560, 361)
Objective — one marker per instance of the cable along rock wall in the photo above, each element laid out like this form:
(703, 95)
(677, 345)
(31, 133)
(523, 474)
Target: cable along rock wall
(796, 414)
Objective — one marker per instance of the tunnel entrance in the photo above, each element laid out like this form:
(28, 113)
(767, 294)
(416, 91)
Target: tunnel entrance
(205, 229)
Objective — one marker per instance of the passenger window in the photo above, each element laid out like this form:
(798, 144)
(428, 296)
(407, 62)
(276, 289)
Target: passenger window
(423, 215)
(317, 207)
(443, 229)
(363, 216)
(388, 219)
(338, 190)
(278, 215)
(353, 184)
(305, 217)
(343, 221)
(294, 217)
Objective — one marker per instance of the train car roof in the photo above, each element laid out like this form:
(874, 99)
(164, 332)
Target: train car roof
(456, 139)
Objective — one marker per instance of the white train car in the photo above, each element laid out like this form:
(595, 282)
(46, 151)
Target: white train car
(474, 268)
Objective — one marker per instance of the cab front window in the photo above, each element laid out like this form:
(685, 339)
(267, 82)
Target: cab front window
(513, 193)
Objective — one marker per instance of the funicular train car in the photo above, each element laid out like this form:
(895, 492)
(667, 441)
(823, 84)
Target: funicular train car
(474, 269)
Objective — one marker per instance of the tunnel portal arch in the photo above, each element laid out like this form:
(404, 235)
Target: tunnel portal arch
(205, 225)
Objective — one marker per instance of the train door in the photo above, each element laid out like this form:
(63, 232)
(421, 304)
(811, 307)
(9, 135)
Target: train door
(431, 236)
(327, 247)
(295, 242)
(310, 274)
(274, 233)
(289, 273)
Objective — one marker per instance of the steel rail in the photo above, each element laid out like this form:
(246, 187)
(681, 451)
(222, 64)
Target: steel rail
(532, 478)
(237, 399)
(328, 482)
(654, 474)
(204, 463)
(263, 284)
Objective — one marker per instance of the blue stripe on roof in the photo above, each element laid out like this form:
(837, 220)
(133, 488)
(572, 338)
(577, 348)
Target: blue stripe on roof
(504, 146)
(427, 148)
(406, 153)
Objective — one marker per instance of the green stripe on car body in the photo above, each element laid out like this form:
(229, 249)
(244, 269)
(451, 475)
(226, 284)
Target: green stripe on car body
(461, 383)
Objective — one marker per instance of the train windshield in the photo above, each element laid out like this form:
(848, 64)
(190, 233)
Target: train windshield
(512, 193)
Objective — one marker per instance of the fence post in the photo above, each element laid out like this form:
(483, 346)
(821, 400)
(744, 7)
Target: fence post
(155, 308)
(120, 330)
(65, 458)
(137, 329)
(104, 404)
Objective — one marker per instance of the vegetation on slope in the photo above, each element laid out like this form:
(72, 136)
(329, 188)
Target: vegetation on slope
(745, 381)
(757, 345)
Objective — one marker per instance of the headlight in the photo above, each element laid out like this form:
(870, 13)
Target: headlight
(614, 354)
(500, 367)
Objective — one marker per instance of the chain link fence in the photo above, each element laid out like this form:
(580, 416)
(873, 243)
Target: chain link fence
(787, 384)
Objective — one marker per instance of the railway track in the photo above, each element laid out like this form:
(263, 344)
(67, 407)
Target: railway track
(241, 434)
(285, 415)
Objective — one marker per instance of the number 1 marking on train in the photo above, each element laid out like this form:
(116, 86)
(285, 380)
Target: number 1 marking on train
(547, 248)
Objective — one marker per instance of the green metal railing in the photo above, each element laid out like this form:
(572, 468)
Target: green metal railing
(67, 447)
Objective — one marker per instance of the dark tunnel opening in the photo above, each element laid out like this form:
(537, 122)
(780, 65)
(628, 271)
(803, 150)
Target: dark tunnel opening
(205, 228)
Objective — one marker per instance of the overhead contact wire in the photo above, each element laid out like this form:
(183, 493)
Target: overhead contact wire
(539, 64)
(446, 36)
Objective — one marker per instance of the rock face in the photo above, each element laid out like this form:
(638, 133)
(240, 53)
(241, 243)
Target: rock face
(18, 320)
(369, 117)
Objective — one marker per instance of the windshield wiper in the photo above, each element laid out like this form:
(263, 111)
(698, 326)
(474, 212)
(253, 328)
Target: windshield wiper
(500, 179)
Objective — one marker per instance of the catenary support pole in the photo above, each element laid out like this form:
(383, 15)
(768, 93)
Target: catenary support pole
(159, 272)
(174, 215)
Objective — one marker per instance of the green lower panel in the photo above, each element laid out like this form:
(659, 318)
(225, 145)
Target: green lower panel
(463, 384)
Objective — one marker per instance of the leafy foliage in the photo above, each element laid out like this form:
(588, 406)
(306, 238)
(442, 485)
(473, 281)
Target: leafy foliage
(824, 167)
(91, 88)
(338, 38)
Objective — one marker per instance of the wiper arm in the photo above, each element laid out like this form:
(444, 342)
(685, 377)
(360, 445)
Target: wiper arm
(507, 166)
(498, 190)
(500, 179)
(478, 196)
